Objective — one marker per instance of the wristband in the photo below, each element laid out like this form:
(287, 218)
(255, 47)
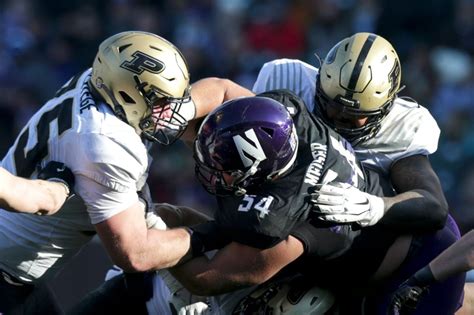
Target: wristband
(60, 181)
(424, 276)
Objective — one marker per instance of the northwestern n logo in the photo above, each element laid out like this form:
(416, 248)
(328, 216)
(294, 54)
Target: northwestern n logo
(142, 62)
(249, 151)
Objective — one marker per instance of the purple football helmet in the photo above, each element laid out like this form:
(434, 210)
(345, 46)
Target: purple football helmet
(243, 143)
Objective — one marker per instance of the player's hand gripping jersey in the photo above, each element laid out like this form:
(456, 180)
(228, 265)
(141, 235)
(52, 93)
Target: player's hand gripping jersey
(408, 129)
(109, 161)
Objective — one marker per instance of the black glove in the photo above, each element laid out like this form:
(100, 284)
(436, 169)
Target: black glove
(207, 236)
(57, 172)
(406, 298)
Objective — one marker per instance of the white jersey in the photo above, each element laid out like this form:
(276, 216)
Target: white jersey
(109, 162)
(407, 130)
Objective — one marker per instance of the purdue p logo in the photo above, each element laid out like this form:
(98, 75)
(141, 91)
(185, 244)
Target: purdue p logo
(248, 150)
(142, 62)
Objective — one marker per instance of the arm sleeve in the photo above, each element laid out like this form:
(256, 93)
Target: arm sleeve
(291, 74)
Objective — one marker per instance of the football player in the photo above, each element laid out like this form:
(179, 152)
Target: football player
(265, 162)
(45, 195)
(99, 124)
(355, 91)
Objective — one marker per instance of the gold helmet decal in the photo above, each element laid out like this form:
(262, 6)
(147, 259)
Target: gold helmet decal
(145, 79)
(142, 62)
(360, 75)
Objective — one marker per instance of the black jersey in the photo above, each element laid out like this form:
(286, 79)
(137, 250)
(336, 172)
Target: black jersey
(267, 214)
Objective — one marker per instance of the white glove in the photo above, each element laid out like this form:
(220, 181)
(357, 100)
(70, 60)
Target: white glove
(340, 202)
(198, 308)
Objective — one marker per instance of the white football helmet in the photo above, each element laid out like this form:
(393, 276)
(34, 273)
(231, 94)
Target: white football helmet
(360, 77)
(145, 79)
(287, 297)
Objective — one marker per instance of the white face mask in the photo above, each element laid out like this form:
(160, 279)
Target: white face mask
(167, 118)
(188, 110)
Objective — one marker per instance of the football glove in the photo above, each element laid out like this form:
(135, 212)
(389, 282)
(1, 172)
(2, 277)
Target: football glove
(406, 298)
(58, 172)
(198, 308)
(343, 203)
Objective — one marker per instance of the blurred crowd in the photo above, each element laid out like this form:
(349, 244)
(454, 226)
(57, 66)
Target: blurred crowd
(43, 43)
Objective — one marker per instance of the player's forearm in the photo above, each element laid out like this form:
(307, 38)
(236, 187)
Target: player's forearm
(31, 196)
(135, 248)
(210, 92)
(200, 278)
(420, 203)
(457, 258)
(236, 266)
(173, 248)
(159, 250)
(415, 210)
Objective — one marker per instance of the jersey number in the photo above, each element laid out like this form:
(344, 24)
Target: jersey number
(26, 161)
(261, 206)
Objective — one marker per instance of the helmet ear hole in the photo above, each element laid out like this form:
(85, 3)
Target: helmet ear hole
(123, 47)
(269, 131)
(126, 97)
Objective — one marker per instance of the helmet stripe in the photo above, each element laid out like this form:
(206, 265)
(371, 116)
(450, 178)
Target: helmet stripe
(358, 65)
